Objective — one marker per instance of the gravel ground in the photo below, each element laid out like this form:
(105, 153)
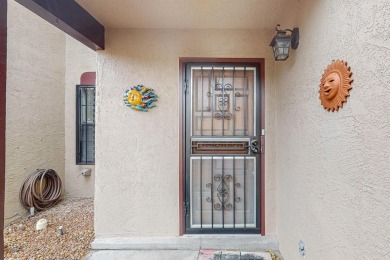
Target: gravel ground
(75, 215)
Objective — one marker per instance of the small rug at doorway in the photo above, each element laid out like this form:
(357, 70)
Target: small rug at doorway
(238, 255)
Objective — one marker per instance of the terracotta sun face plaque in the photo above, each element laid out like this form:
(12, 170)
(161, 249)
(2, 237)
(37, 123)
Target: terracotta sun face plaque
(335, 85)
(140, 98)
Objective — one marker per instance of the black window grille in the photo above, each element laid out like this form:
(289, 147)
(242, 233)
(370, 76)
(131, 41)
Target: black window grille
(85, 124)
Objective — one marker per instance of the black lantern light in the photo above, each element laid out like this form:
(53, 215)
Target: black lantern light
(282, 42)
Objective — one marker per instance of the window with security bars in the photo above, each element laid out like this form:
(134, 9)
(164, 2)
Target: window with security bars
(85, 120)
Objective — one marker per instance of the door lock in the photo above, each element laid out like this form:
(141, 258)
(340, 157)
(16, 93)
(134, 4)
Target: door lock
(254, 146)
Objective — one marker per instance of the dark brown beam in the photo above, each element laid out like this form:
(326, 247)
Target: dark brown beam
(3, 77)
(70, 17)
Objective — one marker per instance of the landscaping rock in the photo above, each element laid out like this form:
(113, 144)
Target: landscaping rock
(75, 215)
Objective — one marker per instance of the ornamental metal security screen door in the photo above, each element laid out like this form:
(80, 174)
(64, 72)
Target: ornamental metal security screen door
(222, 165)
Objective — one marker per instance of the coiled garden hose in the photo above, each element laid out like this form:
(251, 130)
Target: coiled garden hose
(42, 189)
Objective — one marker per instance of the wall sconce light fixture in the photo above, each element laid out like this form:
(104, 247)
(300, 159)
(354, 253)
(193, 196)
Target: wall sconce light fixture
(282, 42)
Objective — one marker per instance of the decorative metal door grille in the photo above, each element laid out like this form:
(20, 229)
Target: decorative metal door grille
(222, 148)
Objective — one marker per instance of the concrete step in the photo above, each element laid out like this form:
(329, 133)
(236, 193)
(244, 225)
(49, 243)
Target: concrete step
(249, 243)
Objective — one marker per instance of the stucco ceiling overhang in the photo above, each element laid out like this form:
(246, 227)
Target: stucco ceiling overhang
(183, 14)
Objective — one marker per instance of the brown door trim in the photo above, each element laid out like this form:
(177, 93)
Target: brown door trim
(3, 76)
(182, 61)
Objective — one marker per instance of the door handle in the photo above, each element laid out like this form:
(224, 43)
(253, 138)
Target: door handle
(254, 146)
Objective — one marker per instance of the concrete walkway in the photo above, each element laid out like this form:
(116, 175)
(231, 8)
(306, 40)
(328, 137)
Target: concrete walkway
(142, 255)
(177, 255)
(199, 247)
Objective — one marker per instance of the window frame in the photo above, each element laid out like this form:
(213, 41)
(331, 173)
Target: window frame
(79, 147)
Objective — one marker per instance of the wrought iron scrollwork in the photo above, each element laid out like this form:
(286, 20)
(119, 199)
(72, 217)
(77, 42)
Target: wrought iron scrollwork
(219, 116)
(223, 192)
(226, 87)
(222, 100)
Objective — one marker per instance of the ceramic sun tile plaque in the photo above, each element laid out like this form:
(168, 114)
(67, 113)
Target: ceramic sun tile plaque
(335, 85)
(140, 98)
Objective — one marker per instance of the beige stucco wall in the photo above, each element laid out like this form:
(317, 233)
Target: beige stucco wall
(79, 59)
(333, 168)
(35, 101)
(137, 154)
